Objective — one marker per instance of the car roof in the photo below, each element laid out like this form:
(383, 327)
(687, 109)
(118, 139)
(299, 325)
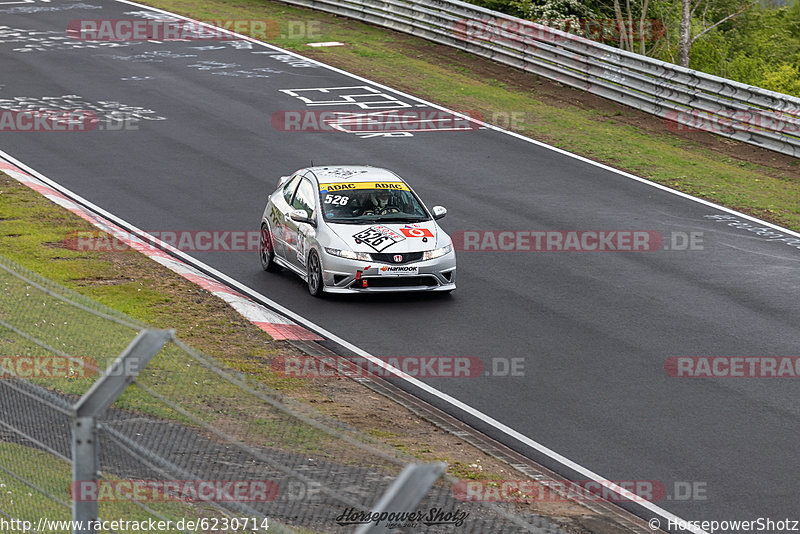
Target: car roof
(352, 173)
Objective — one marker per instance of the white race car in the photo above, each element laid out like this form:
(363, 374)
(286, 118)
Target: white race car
(355, 229)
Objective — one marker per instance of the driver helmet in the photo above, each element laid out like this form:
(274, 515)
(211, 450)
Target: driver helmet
(382, 198)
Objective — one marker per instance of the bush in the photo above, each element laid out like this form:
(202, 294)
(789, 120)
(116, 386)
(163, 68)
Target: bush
(783, 79)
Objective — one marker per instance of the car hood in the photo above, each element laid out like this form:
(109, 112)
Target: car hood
(402, 237)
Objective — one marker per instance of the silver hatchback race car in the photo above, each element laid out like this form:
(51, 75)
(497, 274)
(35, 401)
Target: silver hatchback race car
(355, 229)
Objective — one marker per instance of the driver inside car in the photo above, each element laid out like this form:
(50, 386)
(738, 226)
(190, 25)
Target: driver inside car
(384, 202)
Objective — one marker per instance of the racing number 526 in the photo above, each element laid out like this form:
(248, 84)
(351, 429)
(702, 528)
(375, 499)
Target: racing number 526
(337, 199)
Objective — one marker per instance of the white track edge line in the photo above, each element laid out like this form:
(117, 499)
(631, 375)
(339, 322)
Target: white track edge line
(320, 330)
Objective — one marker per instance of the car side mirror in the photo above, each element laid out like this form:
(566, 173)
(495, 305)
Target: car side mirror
(283, 180)
(301, 216)
(439, 212)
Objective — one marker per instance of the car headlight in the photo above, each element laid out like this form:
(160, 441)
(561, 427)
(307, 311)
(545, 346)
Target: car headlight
(349, 254)
(437, 252)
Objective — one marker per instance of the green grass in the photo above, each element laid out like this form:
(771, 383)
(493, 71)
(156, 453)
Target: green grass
(50, 475)
(33, 233)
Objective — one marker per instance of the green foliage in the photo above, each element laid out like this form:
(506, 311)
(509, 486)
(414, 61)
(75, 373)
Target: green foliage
(784, 79)
(547, 9)
(502, 6)
(554, 9)
(761, 48)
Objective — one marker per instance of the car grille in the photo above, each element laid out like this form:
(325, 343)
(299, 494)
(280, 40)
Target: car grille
(385, 257)
(401, 281)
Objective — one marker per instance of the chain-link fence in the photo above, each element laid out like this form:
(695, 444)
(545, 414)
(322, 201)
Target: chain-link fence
(189, 443)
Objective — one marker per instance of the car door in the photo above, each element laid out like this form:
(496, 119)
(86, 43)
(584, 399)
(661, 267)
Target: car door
(281, 207)
(296, 239)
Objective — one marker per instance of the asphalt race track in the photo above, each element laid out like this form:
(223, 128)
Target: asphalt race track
(593, 329)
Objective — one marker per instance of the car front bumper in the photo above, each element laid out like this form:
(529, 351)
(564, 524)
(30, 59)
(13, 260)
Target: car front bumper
(342, 275)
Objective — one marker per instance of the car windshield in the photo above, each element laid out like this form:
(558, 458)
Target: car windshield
(367, 202)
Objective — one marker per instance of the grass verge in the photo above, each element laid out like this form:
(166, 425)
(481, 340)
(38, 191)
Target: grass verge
(34, 233)
(54, 477)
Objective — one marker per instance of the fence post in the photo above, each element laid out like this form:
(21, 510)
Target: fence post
(91, 406)
(405, 493)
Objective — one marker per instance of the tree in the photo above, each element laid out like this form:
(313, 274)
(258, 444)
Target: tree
(708, 18)
(627, 31)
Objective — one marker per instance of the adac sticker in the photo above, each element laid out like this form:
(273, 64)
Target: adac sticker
(350, 186)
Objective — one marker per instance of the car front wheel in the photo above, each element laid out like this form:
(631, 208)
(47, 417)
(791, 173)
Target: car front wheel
(266, 250)
(314, 274)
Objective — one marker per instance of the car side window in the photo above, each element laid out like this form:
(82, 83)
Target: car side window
(288, 189)
(304, 198)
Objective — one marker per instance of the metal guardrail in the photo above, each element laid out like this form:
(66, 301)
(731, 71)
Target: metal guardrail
(690, 99)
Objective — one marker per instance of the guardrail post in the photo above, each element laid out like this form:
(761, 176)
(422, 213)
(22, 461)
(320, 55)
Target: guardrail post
(91, 406)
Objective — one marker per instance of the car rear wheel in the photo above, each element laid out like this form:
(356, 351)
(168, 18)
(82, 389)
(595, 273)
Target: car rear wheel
(266, 250)
(314, 274)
